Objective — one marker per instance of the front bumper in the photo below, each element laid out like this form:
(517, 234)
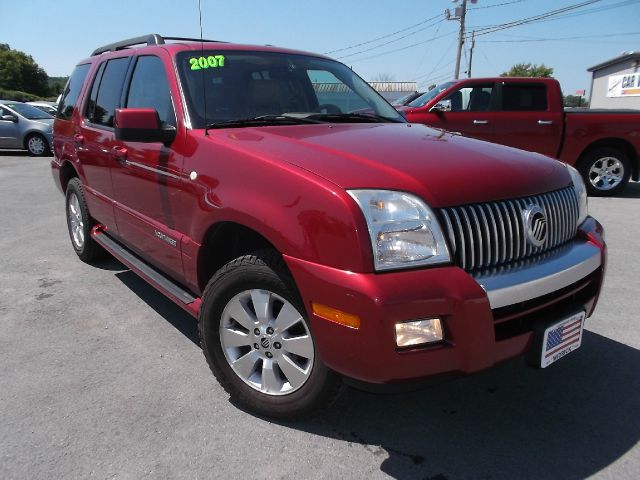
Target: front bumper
(487, 319)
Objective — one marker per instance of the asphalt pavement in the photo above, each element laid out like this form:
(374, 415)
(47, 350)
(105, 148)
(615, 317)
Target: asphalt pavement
(102, 377)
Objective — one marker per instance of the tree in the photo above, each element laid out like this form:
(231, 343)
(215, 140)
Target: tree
(529, 70)
(575, 101)
(18, 71)
(383, 77)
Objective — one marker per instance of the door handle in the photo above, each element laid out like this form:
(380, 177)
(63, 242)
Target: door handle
(480, 122)
(545, 122)
(78, 140)
(120, 154)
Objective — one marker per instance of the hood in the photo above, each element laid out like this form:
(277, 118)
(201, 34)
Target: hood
(443, 168)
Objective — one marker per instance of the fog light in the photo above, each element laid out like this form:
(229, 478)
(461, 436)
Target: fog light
(418, 332)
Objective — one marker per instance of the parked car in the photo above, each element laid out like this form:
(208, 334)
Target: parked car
(50, 107)
(528, 113)
(24, 126)
(313, 232)
(405, 99)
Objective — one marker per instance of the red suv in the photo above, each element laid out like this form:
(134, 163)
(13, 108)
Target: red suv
(313, 232)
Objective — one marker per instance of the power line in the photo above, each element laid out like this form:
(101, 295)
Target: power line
(535, 18)
(401, 48)
(391, 41)
(384, 36)
(496, 5)
(534, 39)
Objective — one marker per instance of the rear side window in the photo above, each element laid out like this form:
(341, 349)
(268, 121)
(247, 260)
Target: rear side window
(150, 89)
(106, 91)
(524, 98)
(71, 91)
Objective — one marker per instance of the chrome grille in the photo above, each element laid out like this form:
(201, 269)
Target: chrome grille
(491, 234)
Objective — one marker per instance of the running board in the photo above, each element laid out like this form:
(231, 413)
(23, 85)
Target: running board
(158, 280)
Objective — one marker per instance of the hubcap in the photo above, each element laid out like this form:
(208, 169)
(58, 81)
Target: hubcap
(75, 221)
(36, 145)
(266, 342)
(606, 173)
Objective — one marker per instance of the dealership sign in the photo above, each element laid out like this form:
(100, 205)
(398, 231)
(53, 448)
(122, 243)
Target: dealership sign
(624, 85)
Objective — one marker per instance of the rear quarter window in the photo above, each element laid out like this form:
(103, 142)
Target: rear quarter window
(524, 98)
(71, 91)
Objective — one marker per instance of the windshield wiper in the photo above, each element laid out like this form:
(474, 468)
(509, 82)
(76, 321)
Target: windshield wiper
(356, 117)
(262, 120)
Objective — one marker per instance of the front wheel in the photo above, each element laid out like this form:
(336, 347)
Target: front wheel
(37, 145)
(605, 170)
(257, 340)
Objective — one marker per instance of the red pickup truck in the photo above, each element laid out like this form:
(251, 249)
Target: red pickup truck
(528, 113)
(316, 235)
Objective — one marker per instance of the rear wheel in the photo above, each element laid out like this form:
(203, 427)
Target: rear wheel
(257, 340)
(80, 223)
(605, 170)
(37, 145)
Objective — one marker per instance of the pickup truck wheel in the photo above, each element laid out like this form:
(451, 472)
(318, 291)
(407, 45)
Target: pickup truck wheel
(258, 343)
(79, 223)
(605, 170)
(37, 145)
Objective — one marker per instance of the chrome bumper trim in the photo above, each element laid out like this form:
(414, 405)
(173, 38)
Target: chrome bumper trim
(507, 286)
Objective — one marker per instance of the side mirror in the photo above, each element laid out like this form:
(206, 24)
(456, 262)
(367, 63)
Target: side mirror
(441, 107)
(142, 125)
(9, 118)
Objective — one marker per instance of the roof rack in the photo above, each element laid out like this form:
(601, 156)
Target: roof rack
(151, 39)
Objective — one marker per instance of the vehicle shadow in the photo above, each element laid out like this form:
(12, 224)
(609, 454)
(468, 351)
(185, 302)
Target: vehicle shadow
(632, 190)
(14, 153)
(178, 318)
(568, 421)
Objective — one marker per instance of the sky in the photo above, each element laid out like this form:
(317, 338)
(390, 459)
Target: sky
(404, 40)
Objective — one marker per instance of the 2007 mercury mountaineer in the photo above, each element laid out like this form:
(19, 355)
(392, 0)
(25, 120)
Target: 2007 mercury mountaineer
(314, 233)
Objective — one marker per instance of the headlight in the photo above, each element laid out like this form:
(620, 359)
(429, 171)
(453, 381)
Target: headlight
(581, 193)
(404, 231)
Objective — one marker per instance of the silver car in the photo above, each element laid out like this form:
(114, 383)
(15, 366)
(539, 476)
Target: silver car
(24, 126)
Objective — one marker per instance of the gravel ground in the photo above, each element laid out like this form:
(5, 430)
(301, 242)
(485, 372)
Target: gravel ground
(101, 376)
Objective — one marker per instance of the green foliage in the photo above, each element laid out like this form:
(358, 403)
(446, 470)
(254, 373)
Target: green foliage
(19, 72)
(529, 70)
(17, 96)
(575, 101)
(56, 85)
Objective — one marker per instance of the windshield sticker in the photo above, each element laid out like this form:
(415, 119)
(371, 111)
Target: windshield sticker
(212, 61)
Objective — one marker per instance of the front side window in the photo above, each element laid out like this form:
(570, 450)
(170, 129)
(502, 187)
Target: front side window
(224, 86)
(524, 98)
(71, 91)
(106, 91)
(472, 98)
(150, 89)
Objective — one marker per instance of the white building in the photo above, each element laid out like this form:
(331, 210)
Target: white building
(616, 82)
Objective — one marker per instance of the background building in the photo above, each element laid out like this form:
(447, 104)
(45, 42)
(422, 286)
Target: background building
(616, 82)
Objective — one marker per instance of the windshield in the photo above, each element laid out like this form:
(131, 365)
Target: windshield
(423, 99)
(28, 111)
(225, 86)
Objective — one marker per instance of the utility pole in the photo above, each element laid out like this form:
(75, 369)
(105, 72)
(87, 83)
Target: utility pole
(459, 14)
(473, 44)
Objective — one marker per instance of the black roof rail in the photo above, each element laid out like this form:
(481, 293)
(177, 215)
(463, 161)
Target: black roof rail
(151, 39)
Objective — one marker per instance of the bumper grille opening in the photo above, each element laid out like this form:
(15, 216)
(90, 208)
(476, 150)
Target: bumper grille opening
(520, 318)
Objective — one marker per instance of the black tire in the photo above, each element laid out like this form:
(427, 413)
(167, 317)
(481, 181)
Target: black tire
(37, 145)
(87, 250)
(597, 158)
(265, 271)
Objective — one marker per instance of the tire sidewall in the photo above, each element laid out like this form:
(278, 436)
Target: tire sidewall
(44, 142)
(75, 187)
(592, 157)
(222, 289)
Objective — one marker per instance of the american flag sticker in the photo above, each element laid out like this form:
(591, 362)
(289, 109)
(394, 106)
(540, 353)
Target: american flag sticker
(561, 339)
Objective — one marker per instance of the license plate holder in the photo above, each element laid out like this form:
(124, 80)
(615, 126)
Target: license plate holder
(562, 338)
